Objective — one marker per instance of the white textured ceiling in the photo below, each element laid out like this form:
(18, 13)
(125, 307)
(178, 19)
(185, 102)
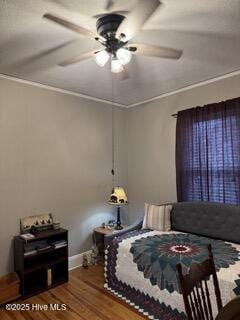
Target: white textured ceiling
(208, 32)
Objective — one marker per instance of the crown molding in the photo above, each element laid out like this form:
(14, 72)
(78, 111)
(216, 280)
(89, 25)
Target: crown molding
(56, 89)
(192, 86)
(76, 94)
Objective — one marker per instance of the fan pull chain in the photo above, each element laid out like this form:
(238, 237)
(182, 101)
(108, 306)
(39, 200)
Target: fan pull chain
(113, 140)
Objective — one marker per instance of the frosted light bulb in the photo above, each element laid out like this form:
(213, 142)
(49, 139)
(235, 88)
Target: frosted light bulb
(124, 55)
(102, 58)
(116, 66)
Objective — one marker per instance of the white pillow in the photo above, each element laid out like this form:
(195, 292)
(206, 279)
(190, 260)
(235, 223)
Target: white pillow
(157, 217)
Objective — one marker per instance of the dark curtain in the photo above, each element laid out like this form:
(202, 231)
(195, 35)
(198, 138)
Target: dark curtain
(208, 153)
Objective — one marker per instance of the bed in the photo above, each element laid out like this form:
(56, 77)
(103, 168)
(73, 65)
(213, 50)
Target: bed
(140, 263)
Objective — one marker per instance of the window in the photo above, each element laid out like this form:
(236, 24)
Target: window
(208, 153)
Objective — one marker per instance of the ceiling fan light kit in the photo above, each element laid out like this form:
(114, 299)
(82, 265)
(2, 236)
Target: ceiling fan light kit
(114, 31)
(116, 65)
(124, 55)
(102, 57)
(107, 26)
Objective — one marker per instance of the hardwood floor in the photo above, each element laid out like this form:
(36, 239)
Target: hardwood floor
(85, 299)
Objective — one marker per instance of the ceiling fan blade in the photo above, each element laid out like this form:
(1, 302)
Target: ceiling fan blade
(137, 17)
(156, 51)
(116, 6)
(100, 15)
(82, 57)
(70, 25)
(109, 4)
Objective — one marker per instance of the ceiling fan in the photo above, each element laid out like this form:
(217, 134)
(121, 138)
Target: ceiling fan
(114, 31)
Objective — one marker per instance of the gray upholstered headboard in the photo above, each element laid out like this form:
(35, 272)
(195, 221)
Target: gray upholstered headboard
(214, 220)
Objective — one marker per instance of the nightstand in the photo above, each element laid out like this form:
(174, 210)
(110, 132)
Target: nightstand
(98, 236)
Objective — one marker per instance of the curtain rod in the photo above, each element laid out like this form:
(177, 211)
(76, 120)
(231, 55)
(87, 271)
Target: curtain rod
(174, 115)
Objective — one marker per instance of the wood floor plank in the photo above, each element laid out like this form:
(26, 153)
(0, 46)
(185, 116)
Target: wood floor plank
(46, 315)
(5, 316)
(115, 307)
(76, 305)
(95, 286)
(85, 299)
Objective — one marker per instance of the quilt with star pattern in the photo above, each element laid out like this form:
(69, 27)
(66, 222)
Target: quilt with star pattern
(140, 268)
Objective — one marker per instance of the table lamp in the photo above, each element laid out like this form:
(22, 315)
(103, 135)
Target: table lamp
(118, 198)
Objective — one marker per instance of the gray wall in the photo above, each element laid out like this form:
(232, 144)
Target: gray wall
(56, 157)
(151, 142)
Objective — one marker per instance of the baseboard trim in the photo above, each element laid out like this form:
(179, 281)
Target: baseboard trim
(76, 261)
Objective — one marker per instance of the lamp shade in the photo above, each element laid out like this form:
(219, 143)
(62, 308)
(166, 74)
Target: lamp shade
(118, 196)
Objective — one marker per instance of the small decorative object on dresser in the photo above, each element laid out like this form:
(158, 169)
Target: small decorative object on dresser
(56, 225)
(36, 223)
(111, 223)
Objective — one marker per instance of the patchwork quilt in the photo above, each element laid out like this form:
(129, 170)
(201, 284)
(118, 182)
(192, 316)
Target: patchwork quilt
(140, 268)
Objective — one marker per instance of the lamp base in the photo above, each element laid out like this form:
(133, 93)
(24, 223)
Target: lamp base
(119, 225)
